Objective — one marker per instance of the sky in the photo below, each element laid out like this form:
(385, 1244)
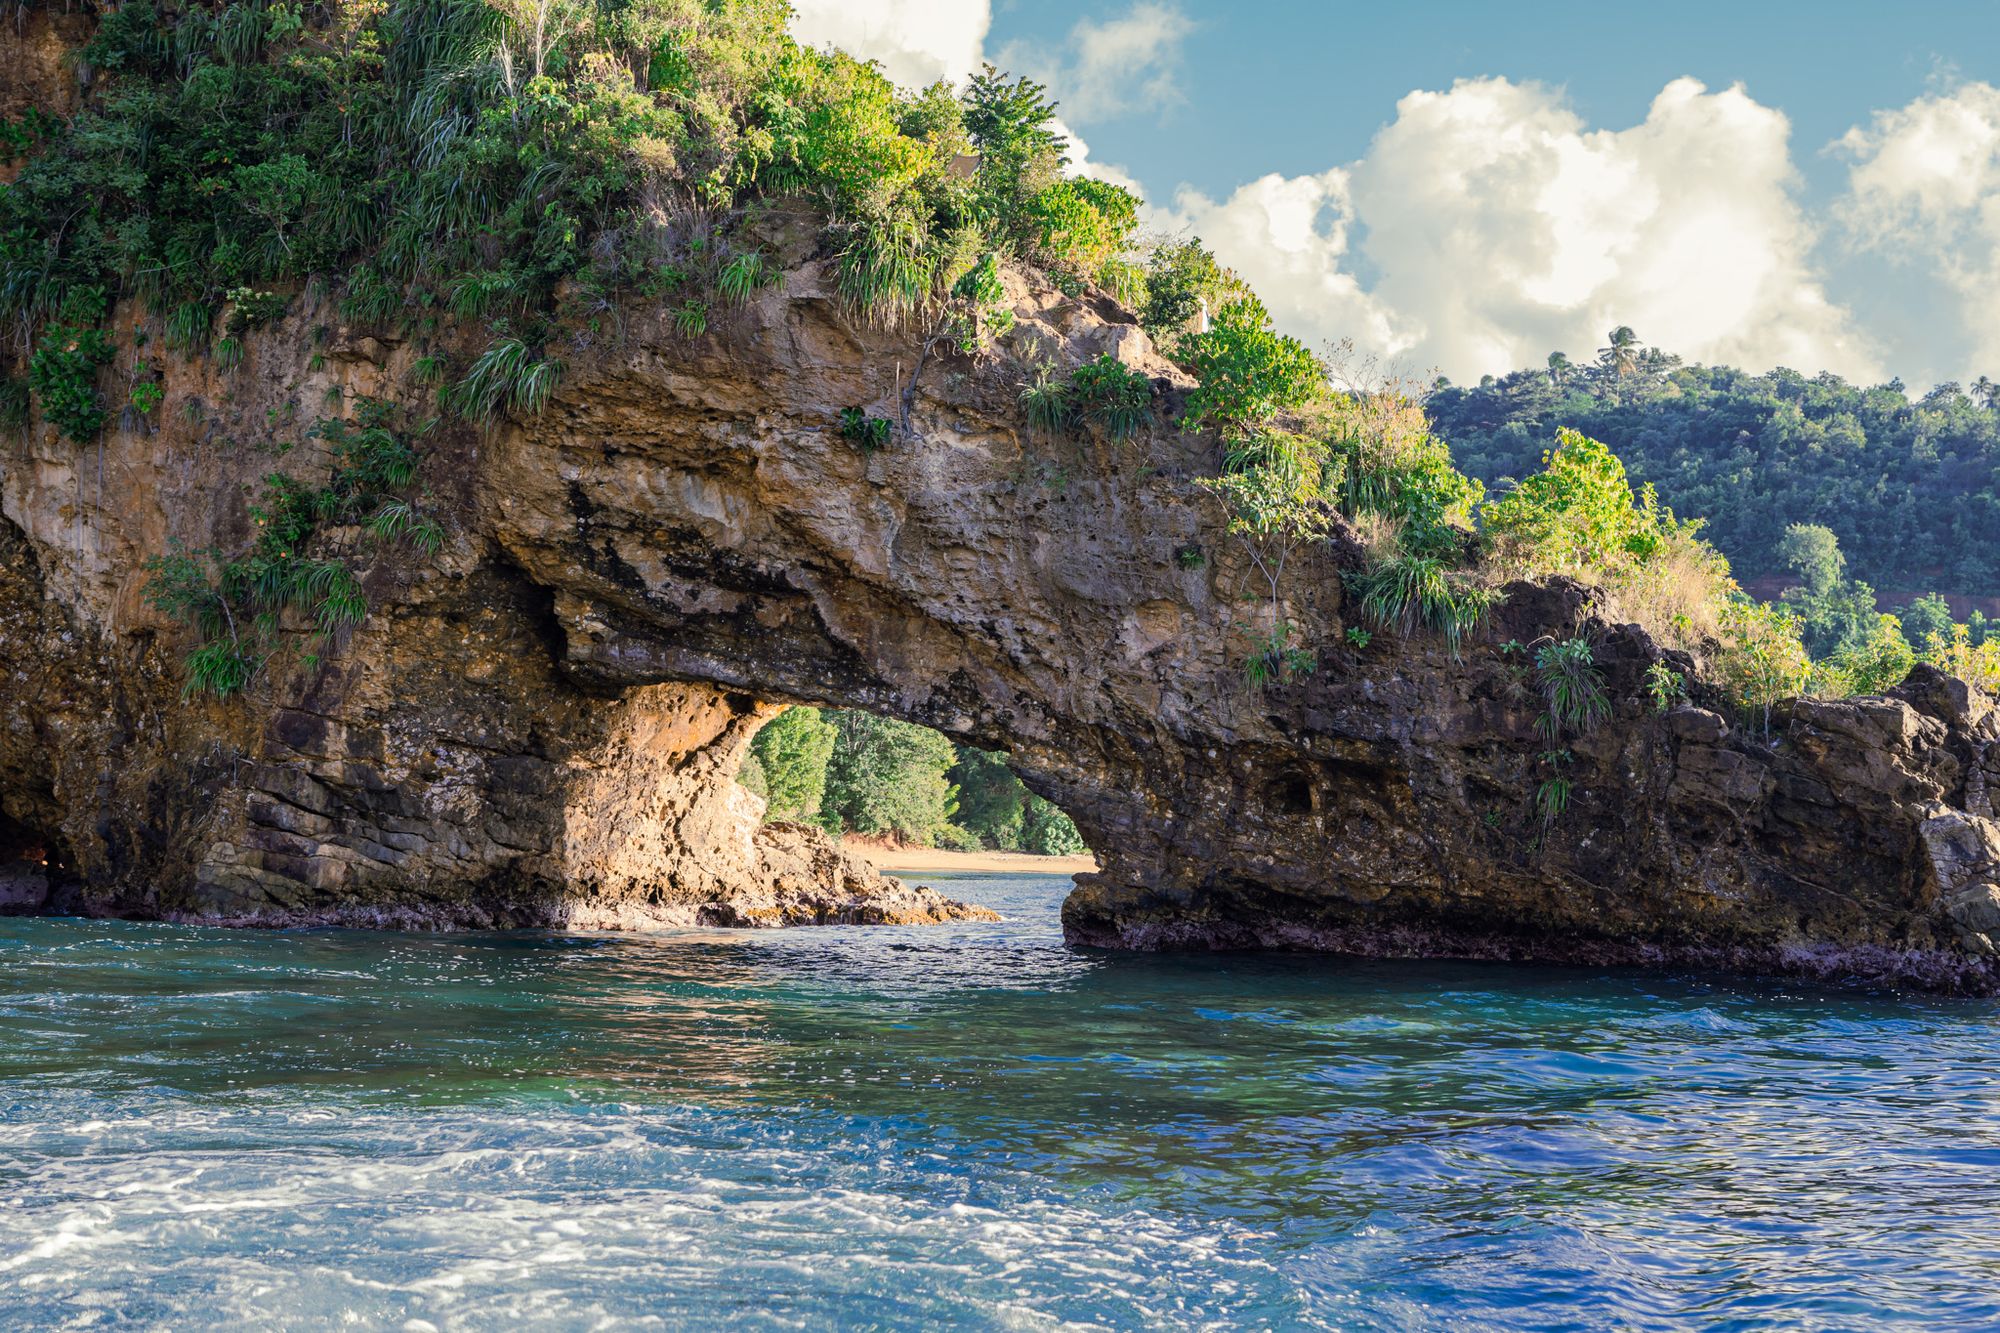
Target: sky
(1466, 187)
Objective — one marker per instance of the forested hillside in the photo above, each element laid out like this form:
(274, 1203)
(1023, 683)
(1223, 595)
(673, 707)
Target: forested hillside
(1910, 486)
(853, 772)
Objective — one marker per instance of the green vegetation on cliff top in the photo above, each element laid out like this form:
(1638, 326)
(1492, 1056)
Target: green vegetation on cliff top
(525, 168)
(1912, 488)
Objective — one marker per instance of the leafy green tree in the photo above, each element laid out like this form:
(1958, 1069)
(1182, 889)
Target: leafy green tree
(1829, 621)
(1021, 154)
(1181, 277)
(1565, 517)
(1871, 662)
(992, 803)
(1623, 353)
(1249, 372)
(791, 755)
(1047, 831)
(1813, 552)
(1926, 618)
(1834, 614)
(1764, 659)
(1079, 225)
(1002, 814)
(888, 777)
(936, 115)
(1955, 653)
(1011, 116)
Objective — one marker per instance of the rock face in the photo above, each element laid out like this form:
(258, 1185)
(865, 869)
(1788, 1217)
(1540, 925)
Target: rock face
(442, 769)
(538, 726)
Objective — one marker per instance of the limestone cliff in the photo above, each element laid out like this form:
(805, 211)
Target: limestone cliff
(539, 724)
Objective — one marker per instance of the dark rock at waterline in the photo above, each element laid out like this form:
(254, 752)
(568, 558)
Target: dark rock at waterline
(24, 888)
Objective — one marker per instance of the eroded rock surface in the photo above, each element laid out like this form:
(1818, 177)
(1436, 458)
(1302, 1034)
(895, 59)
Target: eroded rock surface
(538, 725)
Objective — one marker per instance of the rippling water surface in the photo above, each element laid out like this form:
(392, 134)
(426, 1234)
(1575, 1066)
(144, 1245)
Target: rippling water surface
(864, 1128)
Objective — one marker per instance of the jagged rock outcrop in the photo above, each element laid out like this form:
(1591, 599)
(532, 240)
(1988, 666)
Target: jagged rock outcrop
(442, 771)
(539, 725)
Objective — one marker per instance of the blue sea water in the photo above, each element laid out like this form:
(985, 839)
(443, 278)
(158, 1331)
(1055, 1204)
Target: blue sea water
(900, 1128)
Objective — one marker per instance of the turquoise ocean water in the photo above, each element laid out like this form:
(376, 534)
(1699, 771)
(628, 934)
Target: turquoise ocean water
(858, 1128)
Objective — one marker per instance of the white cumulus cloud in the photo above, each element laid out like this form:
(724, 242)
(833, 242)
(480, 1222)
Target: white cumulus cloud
(1495, 227)
(1288, 238)
(1113, 67)
(917, 42)
(1924, 191)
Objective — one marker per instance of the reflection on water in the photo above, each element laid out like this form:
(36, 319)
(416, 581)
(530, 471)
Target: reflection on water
(971, 1123)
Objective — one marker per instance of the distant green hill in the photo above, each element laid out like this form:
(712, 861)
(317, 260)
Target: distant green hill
(1912, 488)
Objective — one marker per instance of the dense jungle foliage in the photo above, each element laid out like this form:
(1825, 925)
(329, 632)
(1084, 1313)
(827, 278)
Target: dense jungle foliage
(852, 772)
(523, 164)
(1911, 487)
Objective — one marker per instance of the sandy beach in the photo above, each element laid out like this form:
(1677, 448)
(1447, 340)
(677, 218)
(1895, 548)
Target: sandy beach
(905, 860)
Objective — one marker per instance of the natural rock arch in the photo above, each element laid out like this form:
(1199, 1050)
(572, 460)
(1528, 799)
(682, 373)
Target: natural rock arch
(541, 725)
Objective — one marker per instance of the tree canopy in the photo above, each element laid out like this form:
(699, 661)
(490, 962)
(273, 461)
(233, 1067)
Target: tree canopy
(1911, 487)
(854, 772)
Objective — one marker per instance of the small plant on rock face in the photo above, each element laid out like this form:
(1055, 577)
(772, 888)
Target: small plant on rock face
(219, 667)
(188, 325)
(1046, 402)
(1664, 686)
(63, 371)
(1572, 688)
(427, 369)
(401, 518)
(1358, 637)
(1104, 393)
(691, 318)
(864, 432)
(14, 400)
(1277, 659)
(979, 305)
(1552, 794)
(249, 308)
(743, 275)
(179, 585)
(1552, 798)
(1190, 557)
(1407, 593)
(981, 284)
(507, 374)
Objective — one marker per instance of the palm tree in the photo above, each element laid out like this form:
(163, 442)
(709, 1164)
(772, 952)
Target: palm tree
(1559, 367)
(1983, 390)
(1623, 353)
